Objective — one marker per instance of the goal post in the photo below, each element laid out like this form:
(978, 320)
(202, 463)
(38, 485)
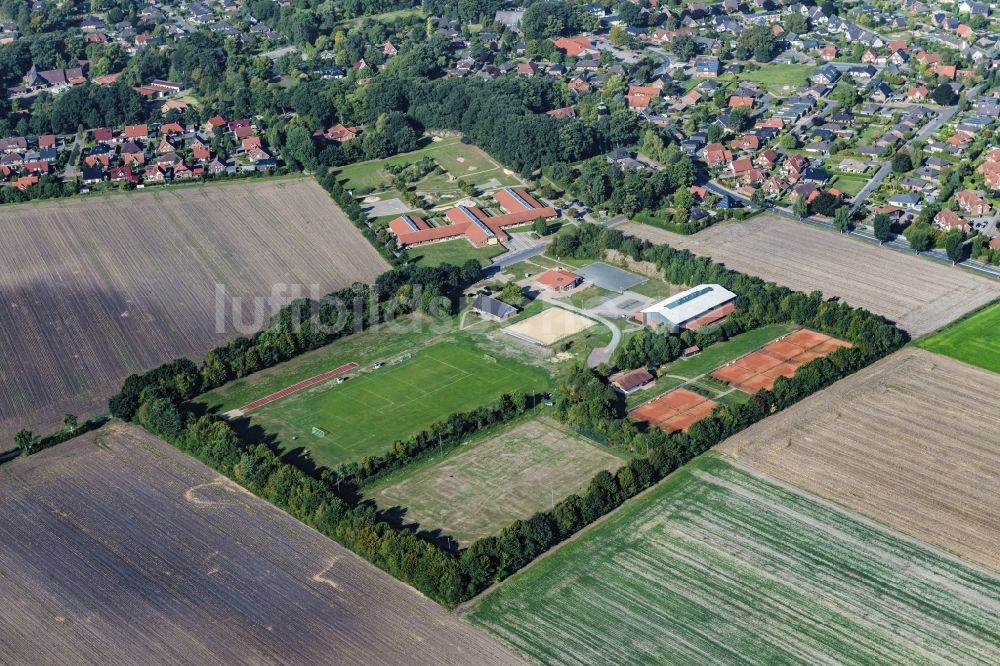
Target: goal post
(489, 359)
(401, 358)
(318, 432)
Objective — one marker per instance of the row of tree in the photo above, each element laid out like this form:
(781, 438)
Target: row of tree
(584, 398)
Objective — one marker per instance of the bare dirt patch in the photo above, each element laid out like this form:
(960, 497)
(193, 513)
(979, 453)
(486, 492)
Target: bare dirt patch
(95, 289)
(475, 492)
(911, 442)
(919, 295)
(104, 560)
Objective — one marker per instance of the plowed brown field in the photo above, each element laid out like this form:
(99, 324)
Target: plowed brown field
(911, 441)
(94, 289)
(118, 549)
(919, 295)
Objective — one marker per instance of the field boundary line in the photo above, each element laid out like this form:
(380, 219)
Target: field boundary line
(298, 386)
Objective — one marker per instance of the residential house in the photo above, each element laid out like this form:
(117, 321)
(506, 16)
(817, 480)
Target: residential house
(973, 202)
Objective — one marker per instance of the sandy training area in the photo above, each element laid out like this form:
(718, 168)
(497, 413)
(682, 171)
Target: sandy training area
(117, 548)
(550, 326)
(918, 294)
(911, 441)
(94, 289)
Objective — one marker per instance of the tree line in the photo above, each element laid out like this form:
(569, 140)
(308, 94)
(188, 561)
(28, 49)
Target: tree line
(159, 401)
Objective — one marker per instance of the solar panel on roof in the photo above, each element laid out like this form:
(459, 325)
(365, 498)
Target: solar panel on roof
(690, 297)
(476, 221)
(517, 196)
(410, 223)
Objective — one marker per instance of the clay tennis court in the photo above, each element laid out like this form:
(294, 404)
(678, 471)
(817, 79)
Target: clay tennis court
(758, 370)
(550, 326)
(674, 411)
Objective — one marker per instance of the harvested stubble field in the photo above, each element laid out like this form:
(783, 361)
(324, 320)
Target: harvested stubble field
(118, 549)
(910, 441)
(919, 295)
(717, 565)
(511, 475)
(94, 289)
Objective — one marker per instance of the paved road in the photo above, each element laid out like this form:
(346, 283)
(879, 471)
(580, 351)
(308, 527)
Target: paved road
(510, 258)
(601, 354)
(944, 115)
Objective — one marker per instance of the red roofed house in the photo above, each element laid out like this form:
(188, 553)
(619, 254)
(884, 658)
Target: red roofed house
(973, 202)
(563, 112)
(828, 52)
(716, 154)
(341, 133)
(104, 135)
(575, 46)
(738, 101)
(747, 142)
(947, 71)
(46, 141)
(557, 280)
(136, 132)
(916, 94)
(527, 69)
(739, 167)
(214, 123)
(947, 220)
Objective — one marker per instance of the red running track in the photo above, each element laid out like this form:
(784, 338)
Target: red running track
(305, 383)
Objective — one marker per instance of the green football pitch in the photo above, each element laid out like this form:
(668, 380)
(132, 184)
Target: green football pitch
(366, 414)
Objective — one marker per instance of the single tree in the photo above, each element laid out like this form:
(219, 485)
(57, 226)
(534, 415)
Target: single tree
(882, 227)
(540, 227)
(954, 245)
(70, 423)
(944, 95)
(901, 162)
(800, 207)
(25, 440)
(842, 219)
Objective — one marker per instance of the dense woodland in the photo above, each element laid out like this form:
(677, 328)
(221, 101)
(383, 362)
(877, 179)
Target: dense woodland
(159, 400)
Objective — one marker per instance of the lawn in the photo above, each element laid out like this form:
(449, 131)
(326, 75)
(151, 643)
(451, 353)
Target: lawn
(475, 490)
(461, 160)
(717, 565)
(367, 413)
(455, 252)
(776, 77)
(850, 184)
(974, 340)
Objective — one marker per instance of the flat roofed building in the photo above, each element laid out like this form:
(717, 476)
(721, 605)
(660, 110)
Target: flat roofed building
(690, 309)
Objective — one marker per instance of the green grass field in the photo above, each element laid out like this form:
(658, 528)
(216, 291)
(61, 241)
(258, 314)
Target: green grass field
(460, 160)
(776, 77)
(366, 414)
(716, 565)
(850, 184)
(455, 252)
(974, 340)
(475, 490)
